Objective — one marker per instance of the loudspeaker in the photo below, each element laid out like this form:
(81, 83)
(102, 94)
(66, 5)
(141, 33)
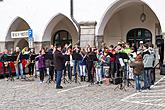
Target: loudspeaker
(162, 69)
(159, 40)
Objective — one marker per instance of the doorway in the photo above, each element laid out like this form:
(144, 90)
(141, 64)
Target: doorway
(62, 37)
(137, 35)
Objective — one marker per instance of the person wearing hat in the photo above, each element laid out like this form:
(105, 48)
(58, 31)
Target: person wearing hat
(141, 46)
(59, 65)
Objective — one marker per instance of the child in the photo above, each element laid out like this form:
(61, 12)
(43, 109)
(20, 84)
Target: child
(98, 67)
(138, 67)
(41, 64)
(83, 65)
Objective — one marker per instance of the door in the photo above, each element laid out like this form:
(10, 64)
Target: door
(139, 34)
(62, 37)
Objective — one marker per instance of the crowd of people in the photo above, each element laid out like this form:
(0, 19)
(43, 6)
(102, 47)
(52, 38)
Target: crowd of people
(87, 64)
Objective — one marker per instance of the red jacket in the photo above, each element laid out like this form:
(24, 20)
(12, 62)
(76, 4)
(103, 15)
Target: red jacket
(112, 55)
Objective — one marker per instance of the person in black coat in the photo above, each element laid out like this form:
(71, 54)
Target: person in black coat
(51, 66)
(59, 64)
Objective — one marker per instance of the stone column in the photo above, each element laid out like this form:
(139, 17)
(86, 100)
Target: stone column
(46, 44)
(164, 45)
(37, 46)
(2, 46)
(87, 33)
(9, 45)
(99, 41)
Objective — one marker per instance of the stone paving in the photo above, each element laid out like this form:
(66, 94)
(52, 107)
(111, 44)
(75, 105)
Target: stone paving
(31, 95)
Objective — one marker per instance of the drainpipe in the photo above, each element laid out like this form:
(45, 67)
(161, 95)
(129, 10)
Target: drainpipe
(74, 20)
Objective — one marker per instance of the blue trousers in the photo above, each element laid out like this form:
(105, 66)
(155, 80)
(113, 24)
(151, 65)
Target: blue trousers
(147, 78)
(19, 67)
(59, 76)
(76, 63)
(137, 82)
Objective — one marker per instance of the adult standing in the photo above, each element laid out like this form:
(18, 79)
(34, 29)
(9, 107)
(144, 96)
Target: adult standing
(148, 60)
(59, 64)
(76, 59)
(18, 62)
(51, 65)
(41, 64)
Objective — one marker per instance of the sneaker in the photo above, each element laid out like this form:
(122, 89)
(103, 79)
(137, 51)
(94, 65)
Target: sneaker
(101, 82)
(60, 87)
(97, 82)
(6, 79)
(148, 88)
(144, 88)
(41, 82)
(138, 90)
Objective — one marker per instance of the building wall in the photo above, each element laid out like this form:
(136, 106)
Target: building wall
(39, 13)
(127, 19)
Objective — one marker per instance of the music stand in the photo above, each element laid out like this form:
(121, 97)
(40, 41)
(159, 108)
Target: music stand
(120, 65)
(67, 58)
(126, 78)
(120, 80)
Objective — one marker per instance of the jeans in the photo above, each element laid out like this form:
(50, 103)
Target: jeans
(147, 78)
(76, 63)
(137, 82)
(19, 67)
(58, 80)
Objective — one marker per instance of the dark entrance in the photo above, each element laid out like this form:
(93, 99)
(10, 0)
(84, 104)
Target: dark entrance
(62, 37)
(139, 34)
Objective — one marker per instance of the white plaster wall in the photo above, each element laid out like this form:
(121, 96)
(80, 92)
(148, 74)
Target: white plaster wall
(113, 30)
(38, 13)
(127, 19)
(131, 19)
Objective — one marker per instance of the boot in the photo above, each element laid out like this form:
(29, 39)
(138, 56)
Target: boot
(81, 78)
(84, 78)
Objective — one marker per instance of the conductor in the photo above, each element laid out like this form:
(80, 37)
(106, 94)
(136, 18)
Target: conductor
(59, 64)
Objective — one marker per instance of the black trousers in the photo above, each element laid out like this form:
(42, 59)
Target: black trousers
(89, 70)
(69, 69)
(31, 68)
(51, 72)
(42, 72)
(4, 70)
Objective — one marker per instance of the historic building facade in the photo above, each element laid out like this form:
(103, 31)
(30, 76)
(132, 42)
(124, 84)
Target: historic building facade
(90, 22)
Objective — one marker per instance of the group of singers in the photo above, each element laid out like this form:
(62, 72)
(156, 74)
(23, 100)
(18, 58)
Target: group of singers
(86, 63)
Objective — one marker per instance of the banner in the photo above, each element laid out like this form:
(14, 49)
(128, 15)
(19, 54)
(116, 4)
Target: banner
(20, 34)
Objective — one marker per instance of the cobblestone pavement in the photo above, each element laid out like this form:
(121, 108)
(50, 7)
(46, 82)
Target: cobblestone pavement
(31, 95)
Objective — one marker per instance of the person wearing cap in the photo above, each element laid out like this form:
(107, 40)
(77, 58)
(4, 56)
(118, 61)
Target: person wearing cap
(141, 46)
